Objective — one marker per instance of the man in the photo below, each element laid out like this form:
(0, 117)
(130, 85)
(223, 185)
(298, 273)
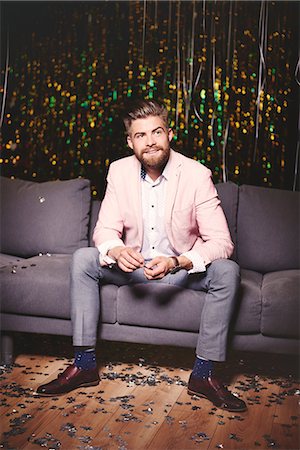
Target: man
(160, 222)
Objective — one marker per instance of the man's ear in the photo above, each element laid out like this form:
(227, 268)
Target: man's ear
(129, 142)
(170, 134)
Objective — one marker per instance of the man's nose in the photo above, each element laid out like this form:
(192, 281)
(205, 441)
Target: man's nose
(150, 140)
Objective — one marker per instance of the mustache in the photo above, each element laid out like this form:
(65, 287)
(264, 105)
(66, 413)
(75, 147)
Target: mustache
(150, 149)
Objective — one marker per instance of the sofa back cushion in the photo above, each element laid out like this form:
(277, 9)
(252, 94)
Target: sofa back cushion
(93, 220)
(268, 229)
(50, 217)
(228, 193)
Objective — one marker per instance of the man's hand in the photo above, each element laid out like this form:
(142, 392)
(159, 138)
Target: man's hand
(161, 265)
(127, 259)
(158, 267)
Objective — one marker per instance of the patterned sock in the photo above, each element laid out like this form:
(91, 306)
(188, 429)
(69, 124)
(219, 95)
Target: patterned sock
(85, 360)
(203, 368)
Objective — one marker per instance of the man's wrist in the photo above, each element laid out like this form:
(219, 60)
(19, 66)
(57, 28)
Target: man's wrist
(184, 262)
(176, 264)
(114, 252)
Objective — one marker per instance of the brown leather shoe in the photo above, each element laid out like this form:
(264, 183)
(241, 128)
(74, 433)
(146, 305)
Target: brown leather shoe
(71, 378)
(218, 394)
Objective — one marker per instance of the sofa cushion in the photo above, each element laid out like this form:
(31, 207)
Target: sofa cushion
(280, 304)
(171, 307)
(247, 315)
(93, 219)
(9, 259)
(160, 306)
(268, 229)
(40, 286)
(228, 193)
(50, 217)
(36, 286)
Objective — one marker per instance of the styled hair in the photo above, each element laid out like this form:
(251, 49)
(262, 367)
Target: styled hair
(141, 109)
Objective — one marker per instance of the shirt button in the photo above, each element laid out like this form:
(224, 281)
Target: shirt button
(152, 206)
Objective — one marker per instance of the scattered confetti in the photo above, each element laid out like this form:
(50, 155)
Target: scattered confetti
(70, 428)
(127, 407)
(48, 441)
(200, 437)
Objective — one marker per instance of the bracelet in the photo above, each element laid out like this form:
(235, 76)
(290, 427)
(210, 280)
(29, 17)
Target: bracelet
(176, 264)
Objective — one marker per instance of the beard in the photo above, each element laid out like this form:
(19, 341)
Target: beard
(156, 160)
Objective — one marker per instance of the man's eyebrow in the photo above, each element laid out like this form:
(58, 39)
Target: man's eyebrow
(138, 132)
(152, 131)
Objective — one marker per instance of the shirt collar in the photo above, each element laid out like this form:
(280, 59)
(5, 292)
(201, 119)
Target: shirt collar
(143, 172)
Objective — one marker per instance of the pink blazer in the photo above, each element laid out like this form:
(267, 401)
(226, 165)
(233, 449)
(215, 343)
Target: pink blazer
(194, 218)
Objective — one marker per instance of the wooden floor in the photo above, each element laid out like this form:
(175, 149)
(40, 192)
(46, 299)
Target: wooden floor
(142, 403)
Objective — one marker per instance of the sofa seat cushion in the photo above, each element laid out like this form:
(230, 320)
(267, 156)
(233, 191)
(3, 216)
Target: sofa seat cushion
(171, 307)
(160, 306)
(9, 260)
(247, 315)
(50, 217)
(280, 304)
(40, 286)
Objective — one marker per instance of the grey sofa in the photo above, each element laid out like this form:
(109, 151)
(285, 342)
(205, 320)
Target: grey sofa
(42, 224)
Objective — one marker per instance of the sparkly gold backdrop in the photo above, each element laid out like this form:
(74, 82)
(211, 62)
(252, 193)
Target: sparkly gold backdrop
(227, 72)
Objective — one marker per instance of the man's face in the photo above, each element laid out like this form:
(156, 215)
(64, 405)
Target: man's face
(150, 141)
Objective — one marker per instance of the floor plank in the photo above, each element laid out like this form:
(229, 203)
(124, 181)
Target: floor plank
(286, 428)
(189, 423)
(148, 408)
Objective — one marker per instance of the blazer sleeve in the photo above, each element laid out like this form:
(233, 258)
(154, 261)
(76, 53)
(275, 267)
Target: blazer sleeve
(214, 240)
(109, 226)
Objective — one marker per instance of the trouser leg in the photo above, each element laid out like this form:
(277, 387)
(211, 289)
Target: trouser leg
(221, 283)
(86, 274)
(85, 305)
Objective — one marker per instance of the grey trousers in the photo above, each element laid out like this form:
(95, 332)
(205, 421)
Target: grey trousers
(220, 282)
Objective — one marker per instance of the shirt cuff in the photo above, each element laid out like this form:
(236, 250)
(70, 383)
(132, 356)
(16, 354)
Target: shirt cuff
(104, 248)
(197, 260)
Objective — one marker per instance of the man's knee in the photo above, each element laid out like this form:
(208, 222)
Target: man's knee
(226, 269)
(84, 258)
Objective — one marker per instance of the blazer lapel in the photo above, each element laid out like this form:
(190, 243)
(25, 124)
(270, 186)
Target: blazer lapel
(136, 198)
(175, 169)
